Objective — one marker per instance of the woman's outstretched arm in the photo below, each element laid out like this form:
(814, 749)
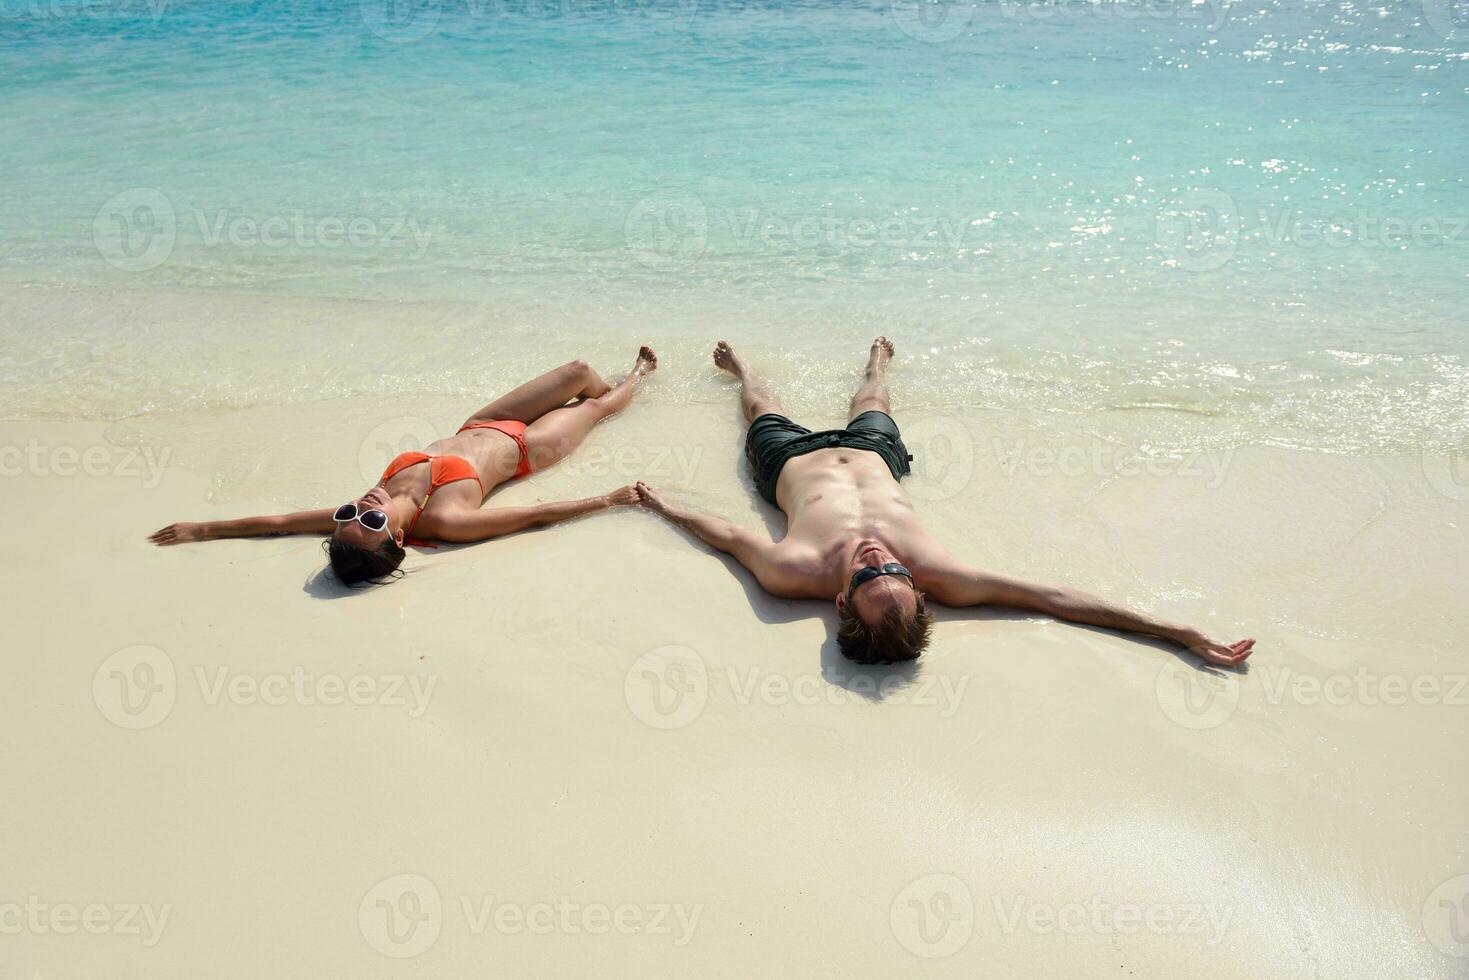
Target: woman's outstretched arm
(301, 522)
(462, 527)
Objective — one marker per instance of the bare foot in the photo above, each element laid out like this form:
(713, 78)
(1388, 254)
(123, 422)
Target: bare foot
(880, 354)
(647, 360)
(726, 358)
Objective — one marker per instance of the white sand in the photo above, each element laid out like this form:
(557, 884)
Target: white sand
(1049, 797)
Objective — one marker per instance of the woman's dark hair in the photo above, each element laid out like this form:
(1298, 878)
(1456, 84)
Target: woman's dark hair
(375, 566)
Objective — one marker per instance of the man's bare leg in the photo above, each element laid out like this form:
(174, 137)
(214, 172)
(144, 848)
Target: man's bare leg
(756, 396)
(872, 396)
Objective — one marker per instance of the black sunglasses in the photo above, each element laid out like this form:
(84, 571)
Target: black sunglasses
(867, 573)
(373, 520)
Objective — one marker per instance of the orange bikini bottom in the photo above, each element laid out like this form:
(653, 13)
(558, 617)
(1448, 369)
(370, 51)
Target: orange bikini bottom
(516, 431)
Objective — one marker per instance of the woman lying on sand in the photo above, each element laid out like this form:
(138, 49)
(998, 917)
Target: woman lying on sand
(530, 428)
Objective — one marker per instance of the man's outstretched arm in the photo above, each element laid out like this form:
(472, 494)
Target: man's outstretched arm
(757, 554)
(961, 585)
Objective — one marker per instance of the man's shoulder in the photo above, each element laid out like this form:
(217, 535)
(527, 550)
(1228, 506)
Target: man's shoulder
(794, 570)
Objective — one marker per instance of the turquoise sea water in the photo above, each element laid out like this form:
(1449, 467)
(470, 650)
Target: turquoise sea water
(1256, 210)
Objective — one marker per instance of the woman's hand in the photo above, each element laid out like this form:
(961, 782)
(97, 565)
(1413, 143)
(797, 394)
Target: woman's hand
(622, 497)
(177, 534)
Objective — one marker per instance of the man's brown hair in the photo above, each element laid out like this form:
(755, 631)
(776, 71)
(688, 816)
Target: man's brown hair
(894, 639)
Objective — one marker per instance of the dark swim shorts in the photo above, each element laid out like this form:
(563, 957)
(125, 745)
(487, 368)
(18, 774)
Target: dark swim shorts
(775, 440)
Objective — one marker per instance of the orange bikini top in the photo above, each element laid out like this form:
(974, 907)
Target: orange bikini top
(442, 470)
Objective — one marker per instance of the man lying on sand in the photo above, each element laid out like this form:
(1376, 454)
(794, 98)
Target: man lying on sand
(852, 532)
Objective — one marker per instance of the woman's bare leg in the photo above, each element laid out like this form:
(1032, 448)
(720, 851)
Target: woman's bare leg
(553, 436)
(574, 379)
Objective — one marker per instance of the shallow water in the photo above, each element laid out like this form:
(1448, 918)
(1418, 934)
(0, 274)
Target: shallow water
(1250, 213)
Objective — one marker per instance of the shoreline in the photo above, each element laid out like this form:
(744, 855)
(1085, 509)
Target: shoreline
(213, 353)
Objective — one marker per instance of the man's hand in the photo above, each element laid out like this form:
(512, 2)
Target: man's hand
(177, 534)
(622, 496)
(1225, 655)
(650, 498)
